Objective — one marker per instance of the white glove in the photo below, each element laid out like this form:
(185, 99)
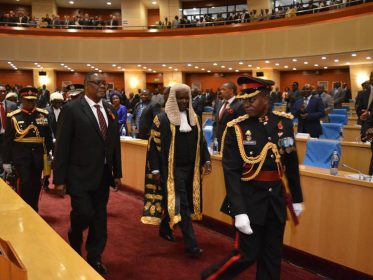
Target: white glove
(7, 168)
(242, 223)
(298, 208)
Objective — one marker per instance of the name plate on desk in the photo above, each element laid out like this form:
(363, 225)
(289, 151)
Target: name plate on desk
(302, 136)
(362, 177)
(11, 267)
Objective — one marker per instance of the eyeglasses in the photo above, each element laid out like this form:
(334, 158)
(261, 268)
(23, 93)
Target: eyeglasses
(99, 83)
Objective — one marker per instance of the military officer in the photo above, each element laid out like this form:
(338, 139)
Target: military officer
(258, 153)
(74, 91)
(27, 142)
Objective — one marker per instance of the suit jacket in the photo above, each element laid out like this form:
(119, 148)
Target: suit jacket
(363, 101)
(315, 110)
(80, 151)
(339, 97)
(52, 120)
(198, 103)
(146, 118)
(43, 99)
(234, 111)
(9, 106)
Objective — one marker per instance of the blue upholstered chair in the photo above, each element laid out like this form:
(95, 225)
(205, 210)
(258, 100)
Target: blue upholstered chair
(334, 118)
(208, 122)
(339, 111)
(331, 131)
(319, 152)
(208, 133)
(208, 109)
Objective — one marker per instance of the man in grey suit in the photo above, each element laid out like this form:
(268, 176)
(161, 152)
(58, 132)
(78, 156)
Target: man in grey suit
(338, 95)
(6, 106)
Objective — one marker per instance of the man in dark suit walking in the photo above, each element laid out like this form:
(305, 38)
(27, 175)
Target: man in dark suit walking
(144, 113)
(88, 161)
(227, 110)
(309, 110)
(6, 107)
(44, 97)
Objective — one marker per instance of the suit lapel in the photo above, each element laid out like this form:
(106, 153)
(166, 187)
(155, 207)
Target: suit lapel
(92, 119)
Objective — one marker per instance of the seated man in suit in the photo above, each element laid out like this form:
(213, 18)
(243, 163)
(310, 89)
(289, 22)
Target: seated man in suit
(144, 113)
(309, 110)
(227, 110)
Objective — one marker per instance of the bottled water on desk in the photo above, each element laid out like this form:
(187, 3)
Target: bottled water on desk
(334, 164)
(215, 146)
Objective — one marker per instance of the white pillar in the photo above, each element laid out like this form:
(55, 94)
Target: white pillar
(134, 14)
(169, 9)
(49, 79)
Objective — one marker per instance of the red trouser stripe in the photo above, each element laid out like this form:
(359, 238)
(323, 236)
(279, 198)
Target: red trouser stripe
(229, 262)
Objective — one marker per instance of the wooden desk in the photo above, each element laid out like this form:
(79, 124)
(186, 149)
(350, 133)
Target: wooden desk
(352, 120)
(43, 252)
(334, 226)
(356, 155)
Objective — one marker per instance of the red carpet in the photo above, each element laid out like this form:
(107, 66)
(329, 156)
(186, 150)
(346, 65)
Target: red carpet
(134, 251)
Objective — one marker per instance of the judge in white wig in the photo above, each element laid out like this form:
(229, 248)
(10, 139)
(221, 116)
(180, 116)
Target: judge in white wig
(177, 151)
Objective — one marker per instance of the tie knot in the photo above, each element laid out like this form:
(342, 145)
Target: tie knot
(97, 106)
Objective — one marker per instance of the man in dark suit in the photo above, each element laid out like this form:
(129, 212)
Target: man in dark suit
(88, 161)
(144, 113)
(44, 97)
(338, 95)
(258, 148)
(364, 111)
(6, 107)
(197, 103)
(227, 110)
(309, 110)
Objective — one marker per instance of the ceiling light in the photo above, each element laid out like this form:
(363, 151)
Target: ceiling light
(305, 62)
(66, 66)
(149, 69)
(336, 60)
(286, 66)
(257, 67)
(348, 63)
(123, 69)
(119, 67)
(164, 65)
(71, 2)
(222, 66)
(114, 65)
(368, 57)
(240, 62)
(34, 63)
(176, 69)
(196, 67)
(71, 70)
(89, 65)
(267, 61)
(108, 3)
(203, 69)
(92, 67)
(294, 59)
(145, 67)
(325, 67)
(294, 69)
(316, 65)
(154, 71)
(16, 68)
(323, 57)
(353, 54)
(154, 3)
(215, 64)
(169, 67)
(96, 69)
(62, 64)
(237, 70)
(208, 71)
(100, 71)
(277, 64)
(138, 65)
(9, 62)
(249, 65)
(230, 68)
(189, 65)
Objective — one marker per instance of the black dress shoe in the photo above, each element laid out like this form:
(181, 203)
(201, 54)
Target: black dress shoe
(99, 267)
(194, 252)
(167, 236)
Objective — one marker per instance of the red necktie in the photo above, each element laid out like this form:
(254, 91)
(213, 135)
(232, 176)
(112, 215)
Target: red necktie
(223, 109)
(3, 115)
(101, 122)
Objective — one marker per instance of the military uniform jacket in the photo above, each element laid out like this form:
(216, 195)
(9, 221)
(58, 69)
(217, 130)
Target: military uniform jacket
(254, 197)
(26, 131)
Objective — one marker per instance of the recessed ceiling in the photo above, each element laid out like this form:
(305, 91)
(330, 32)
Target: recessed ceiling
(289, 64)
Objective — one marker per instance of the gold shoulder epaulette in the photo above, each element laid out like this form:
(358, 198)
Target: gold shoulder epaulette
(42, 111)
(15, 112)
(156, 121)
(283, 114)
(238, 120)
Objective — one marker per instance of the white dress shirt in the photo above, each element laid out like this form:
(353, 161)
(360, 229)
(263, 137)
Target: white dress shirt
(92, 104)
(56, 112)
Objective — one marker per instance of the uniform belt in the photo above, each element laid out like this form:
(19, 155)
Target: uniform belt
(267, 176)
(30, 140)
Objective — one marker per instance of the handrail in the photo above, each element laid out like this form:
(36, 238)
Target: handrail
(132, 31)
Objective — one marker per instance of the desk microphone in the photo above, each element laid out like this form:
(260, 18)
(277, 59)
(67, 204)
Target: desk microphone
(356, 170)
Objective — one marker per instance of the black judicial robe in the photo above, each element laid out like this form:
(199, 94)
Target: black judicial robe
(161, 156)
